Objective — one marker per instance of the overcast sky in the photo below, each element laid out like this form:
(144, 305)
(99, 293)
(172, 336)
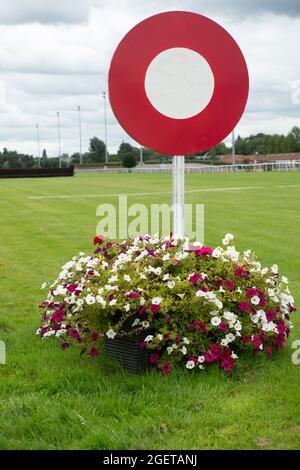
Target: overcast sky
(55, 55)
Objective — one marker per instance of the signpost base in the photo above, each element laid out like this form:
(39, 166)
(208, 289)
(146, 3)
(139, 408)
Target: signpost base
(178, 195)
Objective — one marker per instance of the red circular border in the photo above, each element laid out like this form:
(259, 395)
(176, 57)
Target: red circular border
(135, 112)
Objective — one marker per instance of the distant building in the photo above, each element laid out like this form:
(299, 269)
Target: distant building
(270, 158)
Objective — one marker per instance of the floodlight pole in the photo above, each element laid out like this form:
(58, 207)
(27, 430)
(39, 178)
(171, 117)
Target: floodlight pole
(80, 135)
(178, 194)
(59, 139)
(38, 144)
(105, 125)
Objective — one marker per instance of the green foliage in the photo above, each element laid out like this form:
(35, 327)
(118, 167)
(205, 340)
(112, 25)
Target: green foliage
(43, 391)
(128, 160)
(97, 151)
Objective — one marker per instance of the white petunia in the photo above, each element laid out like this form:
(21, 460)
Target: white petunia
(145, 324)
(217, 253)
(255, 300)
(230, 338)
(157, 300)
(90, 299)
(113, 302)
(44, 285)
(61, 333)
(171, 284)
(190, 365)
(215, 321)
(186, 341)
(227, 239)
(113, 279)
(149, 339)
(166, 277)
(136, 322)
(284, 280)
(49, 333)
(111, 334)
(201, 359)
(127, 278)
(166, 257)
(275, 269)
(127, 307)
(183, 350)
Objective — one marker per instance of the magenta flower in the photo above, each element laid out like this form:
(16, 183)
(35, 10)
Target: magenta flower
(210, 357)
(166, 369)
(256, 342)
(239, 272)
(74, 334)
(229, 284)
(94, 352)
(244, 306)
(281, 326)
(227, 364)
(268, 351)
(133, 295)
(142, 310)
(223, 326)
(94, 336)
(154, 358)
(270, 315)
(251, 293)
(143, 345)
(194, 278)
(57, 316)
(154, 308)
(204, 251)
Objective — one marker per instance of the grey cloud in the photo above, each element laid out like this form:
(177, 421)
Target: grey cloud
(44, 11)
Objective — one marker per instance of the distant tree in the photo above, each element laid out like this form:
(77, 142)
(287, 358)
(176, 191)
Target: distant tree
(97, 151)
(128, 160)
(44, 159)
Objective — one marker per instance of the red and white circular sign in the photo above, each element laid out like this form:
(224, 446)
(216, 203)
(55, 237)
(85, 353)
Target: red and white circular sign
(178, 83)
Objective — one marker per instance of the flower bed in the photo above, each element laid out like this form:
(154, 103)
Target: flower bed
(201, 305)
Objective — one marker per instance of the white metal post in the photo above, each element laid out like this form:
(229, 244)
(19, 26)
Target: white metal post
(178, 195)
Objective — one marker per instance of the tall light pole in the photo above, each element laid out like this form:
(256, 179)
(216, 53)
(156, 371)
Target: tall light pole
(105, 126)
(233, 148)
(80, 135)
(59, 139)
(38, 144)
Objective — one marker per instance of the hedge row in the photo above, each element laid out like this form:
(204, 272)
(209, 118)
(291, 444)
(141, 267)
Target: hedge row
(35, 172)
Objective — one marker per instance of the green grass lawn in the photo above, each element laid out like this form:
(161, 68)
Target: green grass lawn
(51, 399)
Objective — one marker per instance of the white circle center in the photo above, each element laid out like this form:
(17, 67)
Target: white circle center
(179, 83)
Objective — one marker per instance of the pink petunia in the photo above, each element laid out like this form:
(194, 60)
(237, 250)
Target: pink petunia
(94, 352)
(229, 284)
(210, 357)
(154, 358)
(223, 326)
(204, 251)
(244, 306)
(270, 315)
(194, 278)
(239, 272)
(166, 369)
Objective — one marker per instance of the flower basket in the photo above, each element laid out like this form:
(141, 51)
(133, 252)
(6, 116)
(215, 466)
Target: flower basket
(126, 349)
(164, 301)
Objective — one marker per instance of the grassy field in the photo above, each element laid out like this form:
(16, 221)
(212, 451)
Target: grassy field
(54, 400)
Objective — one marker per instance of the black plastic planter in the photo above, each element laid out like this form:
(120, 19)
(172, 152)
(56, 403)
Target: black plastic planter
(127, 351)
